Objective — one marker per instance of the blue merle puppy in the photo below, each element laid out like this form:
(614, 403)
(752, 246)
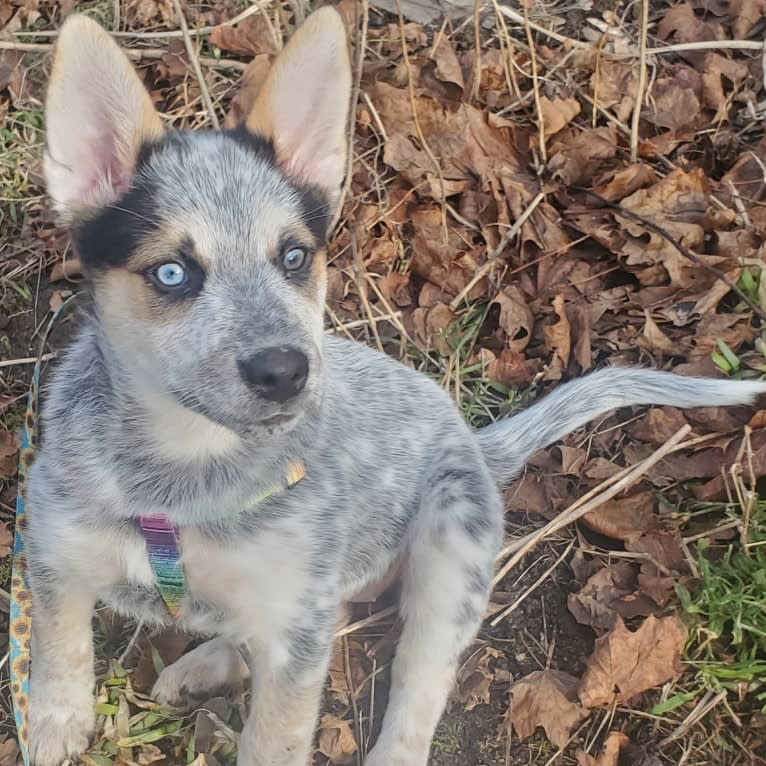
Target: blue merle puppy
(203, 373)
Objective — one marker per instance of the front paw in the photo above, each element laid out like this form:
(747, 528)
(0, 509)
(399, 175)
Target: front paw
(58, 731)
(397, 755)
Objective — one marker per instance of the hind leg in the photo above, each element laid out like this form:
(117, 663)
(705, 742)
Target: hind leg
(446, 586)
(214, 666)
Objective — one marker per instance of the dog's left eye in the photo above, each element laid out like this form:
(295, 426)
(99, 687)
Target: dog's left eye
(295, 258)
(170, 274)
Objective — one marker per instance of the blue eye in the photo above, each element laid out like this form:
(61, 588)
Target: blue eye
(170, 274)
(294, 258)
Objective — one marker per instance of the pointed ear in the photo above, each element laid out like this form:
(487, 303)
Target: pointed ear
(304, 104)
(98, 116)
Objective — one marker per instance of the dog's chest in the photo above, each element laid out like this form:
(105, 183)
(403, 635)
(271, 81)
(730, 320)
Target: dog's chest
(240, 587)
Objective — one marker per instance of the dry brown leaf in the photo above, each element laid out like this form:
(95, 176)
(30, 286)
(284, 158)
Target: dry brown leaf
(57, 299)
(475, 678)
(682, 24)
(664, 547)
(6, 541)
(9, 751)
(546, 698)
(336, 739)
(576, 156)
(718, 72)
(654, 339)
(593, 605)
(250, 37)
(625, 663)
(657, 426)
(516, 318)
(447, 65)
(610, 753)
(338, 684)
(746, 14)
(509, 368)
(613, 85)
(624, 518)
(672, 105)
(9, 448)
(145, 13)
(558, 337)
(614, 186)
(677, 203)
(558, 113)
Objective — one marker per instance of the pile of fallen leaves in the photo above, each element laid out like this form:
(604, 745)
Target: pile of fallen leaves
(504, 227)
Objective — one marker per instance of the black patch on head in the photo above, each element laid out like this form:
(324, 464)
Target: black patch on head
(110, 237)
(315, 209)
(253, 142)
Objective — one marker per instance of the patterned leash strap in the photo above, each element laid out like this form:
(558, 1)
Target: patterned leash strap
(20, 626)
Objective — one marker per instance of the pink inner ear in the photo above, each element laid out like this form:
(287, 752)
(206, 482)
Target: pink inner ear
(100, 175)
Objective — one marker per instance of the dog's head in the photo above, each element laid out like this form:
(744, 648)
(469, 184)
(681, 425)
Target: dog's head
(205, 250)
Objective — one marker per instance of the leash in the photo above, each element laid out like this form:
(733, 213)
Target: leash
(160, 535)
(20, 623)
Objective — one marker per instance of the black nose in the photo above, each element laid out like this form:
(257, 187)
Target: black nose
(277, 374)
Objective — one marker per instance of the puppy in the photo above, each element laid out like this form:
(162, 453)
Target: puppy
(204, 437)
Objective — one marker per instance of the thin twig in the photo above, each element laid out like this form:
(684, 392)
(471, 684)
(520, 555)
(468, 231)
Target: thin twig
(134, 54)
(641, 87)
(476, 84)
(592, 500)
(371, 620)
(26, 360)
(498, 251)
(193, 58)
(535, 86)
(688, 254)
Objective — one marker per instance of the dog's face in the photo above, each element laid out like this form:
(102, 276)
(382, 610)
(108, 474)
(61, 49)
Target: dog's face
(205, 250)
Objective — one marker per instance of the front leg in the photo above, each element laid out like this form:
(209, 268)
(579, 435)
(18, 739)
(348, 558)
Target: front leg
(61, 705)
(288, 675)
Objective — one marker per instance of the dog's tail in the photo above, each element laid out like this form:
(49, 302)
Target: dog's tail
(508, 444)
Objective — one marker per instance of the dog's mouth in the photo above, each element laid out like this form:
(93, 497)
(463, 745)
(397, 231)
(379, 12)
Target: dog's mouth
(280, 419)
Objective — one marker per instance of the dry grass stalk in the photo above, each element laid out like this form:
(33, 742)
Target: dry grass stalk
(642, 78)
(193, 58)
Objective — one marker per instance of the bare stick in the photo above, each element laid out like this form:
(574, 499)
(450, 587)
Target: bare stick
(134, 54)
(193, 58)
(535, 86)
(26, 360)
(592, 500)
(371, 620)
(641, 88)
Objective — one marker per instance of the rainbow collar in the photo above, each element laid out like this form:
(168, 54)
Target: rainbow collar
(164, 548)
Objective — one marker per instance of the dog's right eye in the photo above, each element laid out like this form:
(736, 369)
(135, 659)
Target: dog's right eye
(170, 274)
(177, 279)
